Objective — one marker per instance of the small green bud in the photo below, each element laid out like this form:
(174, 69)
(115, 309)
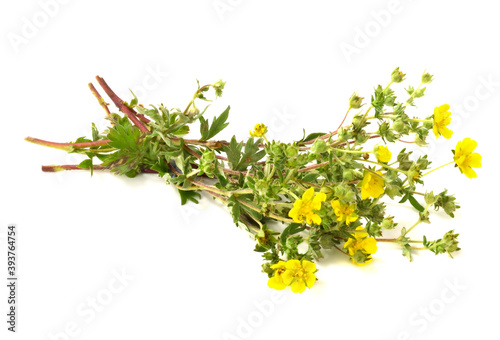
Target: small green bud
(397, 76)
(262, 187)
(430, 198)
(388, 223)
(427, 78)
(292, 151)
(344, 133)
(419, 141)
(429, 125)
(398, 126)
(276, 150)
(319, 146)
(355, 102)
(193, 111)
(348, 174)
(420, 92)
(219, 86)
(356, 121)
(208, 156)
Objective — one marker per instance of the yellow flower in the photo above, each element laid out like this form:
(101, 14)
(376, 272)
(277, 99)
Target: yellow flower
(276, 281)
(362, 243)
(299, 275)
(442, 119)
(303, 209)
(372, 185)
(465, 159)
(259, 130)
(344, 212)
(383, 154)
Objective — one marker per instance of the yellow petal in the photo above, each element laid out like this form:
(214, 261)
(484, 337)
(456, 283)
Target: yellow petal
(446, 132)
(370, 245)
(442, 108)
(469, 172)
(293, 265)
(468, 145)
(294, 213)
(308, 195)
(276, 283)
(335, 204)
(309, 266)
(279, 265)
(315, 218)
(310, 280)
(298, 286)
(475, 160)
(435, 130)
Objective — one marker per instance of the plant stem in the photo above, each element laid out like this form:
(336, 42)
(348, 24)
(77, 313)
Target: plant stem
(439, 167)
(136, 118)
(382, 165)
(67, 146)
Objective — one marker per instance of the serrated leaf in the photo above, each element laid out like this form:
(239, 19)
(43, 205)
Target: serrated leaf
(292, 228)
(192, 196)
(218, 124)
(250, 155)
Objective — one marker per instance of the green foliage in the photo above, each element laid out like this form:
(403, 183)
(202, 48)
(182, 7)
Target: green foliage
(264, 183)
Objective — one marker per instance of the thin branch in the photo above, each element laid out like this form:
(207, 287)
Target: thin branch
(132, 115)
(99, 99)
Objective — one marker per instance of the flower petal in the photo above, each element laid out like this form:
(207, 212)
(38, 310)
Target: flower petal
(475, 160)
(310, 280)
(298, 286)
(468, 145)
(469, 172)
(276, 283)
(309, 266)
(308, 195)
(315, 218)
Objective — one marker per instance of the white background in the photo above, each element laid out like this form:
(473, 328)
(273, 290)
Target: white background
(189, 272)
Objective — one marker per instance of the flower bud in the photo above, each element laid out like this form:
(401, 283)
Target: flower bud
(355, 102)
(427, 78)
(292, 151)
(388, 223)
(319, 146)
(219, 86)
(398, 126)
(397, 76)
(193, 111)
(420, 141)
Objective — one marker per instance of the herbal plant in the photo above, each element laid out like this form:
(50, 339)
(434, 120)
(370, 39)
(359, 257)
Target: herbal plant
(323, 190)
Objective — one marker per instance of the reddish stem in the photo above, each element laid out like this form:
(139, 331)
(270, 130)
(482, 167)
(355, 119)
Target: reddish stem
(132, 115)
(67, 146)
(99, 99)
(54, 168)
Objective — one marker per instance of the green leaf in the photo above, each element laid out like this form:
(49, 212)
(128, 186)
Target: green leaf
(124, 136)
(87, 164)
(233, 152)
(218, 124)
(192, 196)
(311, 136)
(415, 203)
(251, 154)
(293, 228)
(95, 133)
